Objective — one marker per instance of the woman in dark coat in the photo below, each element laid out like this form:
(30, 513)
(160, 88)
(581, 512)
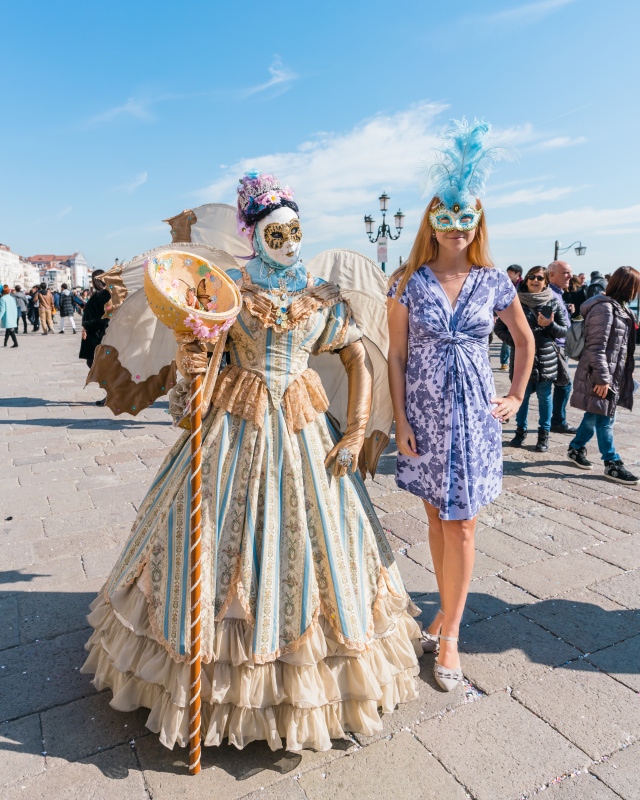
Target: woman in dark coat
(542, 309)
(604, 377)
(93, 326)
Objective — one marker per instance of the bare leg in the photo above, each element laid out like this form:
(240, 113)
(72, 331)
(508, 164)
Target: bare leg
(436, 545)
(457, 566)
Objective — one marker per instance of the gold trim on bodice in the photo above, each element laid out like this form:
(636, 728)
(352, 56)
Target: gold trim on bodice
(244, 394)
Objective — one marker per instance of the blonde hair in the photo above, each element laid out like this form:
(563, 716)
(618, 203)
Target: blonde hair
(425, 248)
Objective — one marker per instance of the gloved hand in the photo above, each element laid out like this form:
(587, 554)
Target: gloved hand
(356, 363)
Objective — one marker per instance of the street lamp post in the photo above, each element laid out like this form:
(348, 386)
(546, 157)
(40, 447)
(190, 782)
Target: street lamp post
(384, 231)
(580, 249)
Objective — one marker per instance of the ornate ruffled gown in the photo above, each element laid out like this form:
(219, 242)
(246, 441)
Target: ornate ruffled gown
(307, 630)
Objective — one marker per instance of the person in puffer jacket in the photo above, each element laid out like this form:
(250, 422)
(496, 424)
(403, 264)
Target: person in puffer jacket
(544, 315)
(604, 377)
(67, 308)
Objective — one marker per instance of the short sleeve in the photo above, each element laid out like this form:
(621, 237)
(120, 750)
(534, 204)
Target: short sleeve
(340, 330)
(505, 291)
(404, 298)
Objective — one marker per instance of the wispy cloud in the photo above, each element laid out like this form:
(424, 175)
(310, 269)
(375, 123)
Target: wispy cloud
(281, 77)
(130, 186)
(530, 12)
(560, 141)
(578, 222)
(137, 109)
(338, 177)
(530, 196)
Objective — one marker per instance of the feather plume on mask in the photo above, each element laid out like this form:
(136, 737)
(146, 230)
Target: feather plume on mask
(465, 161)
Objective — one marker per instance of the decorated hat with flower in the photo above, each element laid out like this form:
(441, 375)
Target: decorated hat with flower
(260, 193)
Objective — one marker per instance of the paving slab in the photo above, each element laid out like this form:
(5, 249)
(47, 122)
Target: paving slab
(417, 579)
(592, 710)
(493, 731)
(400, 501)
(506, 549)
(9, 624)
(623, 589)
(621, 772)
(580, 787)
(430, 701)
(629, 508)
(288, 789)
(497, 653)
(491, 596)
(548, 535)
(515, 502)
(21, 749)
(560, 574)
(42, 577)
(400, 767)
(405, 527)
(621, 661)
(45, 615)
(84, 727)
(43, 674)
(227, 773)
(22, 530)
(106, 776)
(483, 564)
(585, 619)
(592, 527)
(629, 523)
(624, 553)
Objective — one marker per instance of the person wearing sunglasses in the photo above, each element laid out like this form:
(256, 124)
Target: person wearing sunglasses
(544, 315)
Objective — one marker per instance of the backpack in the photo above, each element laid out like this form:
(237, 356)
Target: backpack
(574, 343)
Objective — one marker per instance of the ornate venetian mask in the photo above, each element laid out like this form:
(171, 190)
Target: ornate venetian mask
(456, 218)
(281, 235)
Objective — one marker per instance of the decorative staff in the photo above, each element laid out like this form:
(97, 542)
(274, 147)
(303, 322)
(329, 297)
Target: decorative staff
(200, 318)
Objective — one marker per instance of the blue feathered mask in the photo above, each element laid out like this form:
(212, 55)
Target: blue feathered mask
(465, 161)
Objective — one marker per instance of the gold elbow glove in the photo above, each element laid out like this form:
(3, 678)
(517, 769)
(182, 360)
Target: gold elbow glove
(358, 368)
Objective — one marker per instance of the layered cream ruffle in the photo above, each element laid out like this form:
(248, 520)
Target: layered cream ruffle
(302, 700)
(244, 394)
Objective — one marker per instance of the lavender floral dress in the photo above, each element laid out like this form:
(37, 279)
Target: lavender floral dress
(449, 385)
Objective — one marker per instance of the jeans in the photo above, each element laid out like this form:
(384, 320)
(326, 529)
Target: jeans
(505, 352)
(603, 427)
(560, 400)
(23, 315)
(543, 392)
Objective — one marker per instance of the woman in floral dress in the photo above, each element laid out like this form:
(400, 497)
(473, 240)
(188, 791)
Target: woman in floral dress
(307, 630)
(441, 309)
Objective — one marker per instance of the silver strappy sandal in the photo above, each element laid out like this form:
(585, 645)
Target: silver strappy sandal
(429, 641)
(447, 679)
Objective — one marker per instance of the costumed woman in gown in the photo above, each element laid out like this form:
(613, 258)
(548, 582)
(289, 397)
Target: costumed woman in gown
(307, 630)
(440, 309)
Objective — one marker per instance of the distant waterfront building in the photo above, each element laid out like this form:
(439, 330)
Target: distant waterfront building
(72, 269)
(17, 270)
(10, 270)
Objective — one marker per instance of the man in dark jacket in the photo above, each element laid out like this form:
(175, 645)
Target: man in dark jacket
(597, 286)
(559, 280)
(66, 308)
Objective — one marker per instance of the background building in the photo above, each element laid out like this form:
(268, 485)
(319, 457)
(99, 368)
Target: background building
(55, 270)
(15, 269)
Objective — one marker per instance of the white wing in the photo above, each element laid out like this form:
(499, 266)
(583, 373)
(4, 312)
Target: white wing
(364, 285)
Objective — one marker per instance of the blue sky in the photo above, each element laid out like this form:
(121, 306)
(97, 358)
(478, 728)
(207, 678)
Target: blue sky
(118, 115)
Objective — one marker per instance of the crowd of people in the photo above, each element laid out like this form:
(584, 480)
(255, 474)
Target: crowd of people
(39, 307)
(553, 301)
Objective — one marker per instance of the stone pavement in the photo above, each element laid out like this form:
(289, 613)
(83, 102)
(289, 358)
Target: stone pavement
(550, 647)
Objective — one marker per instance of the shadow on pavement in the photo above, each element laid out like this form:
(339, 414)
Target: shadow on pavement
(88, 424)
(40, 675)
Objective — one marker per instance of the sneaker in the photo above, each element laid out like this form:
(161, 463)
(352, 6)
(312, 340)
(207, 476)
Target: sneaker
(504, 367)
(579, 457)
(60, 331)
(616, 471)
(564, 427)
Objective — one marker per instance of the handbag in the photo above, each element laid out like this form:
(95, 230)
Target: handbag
(564, 378)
